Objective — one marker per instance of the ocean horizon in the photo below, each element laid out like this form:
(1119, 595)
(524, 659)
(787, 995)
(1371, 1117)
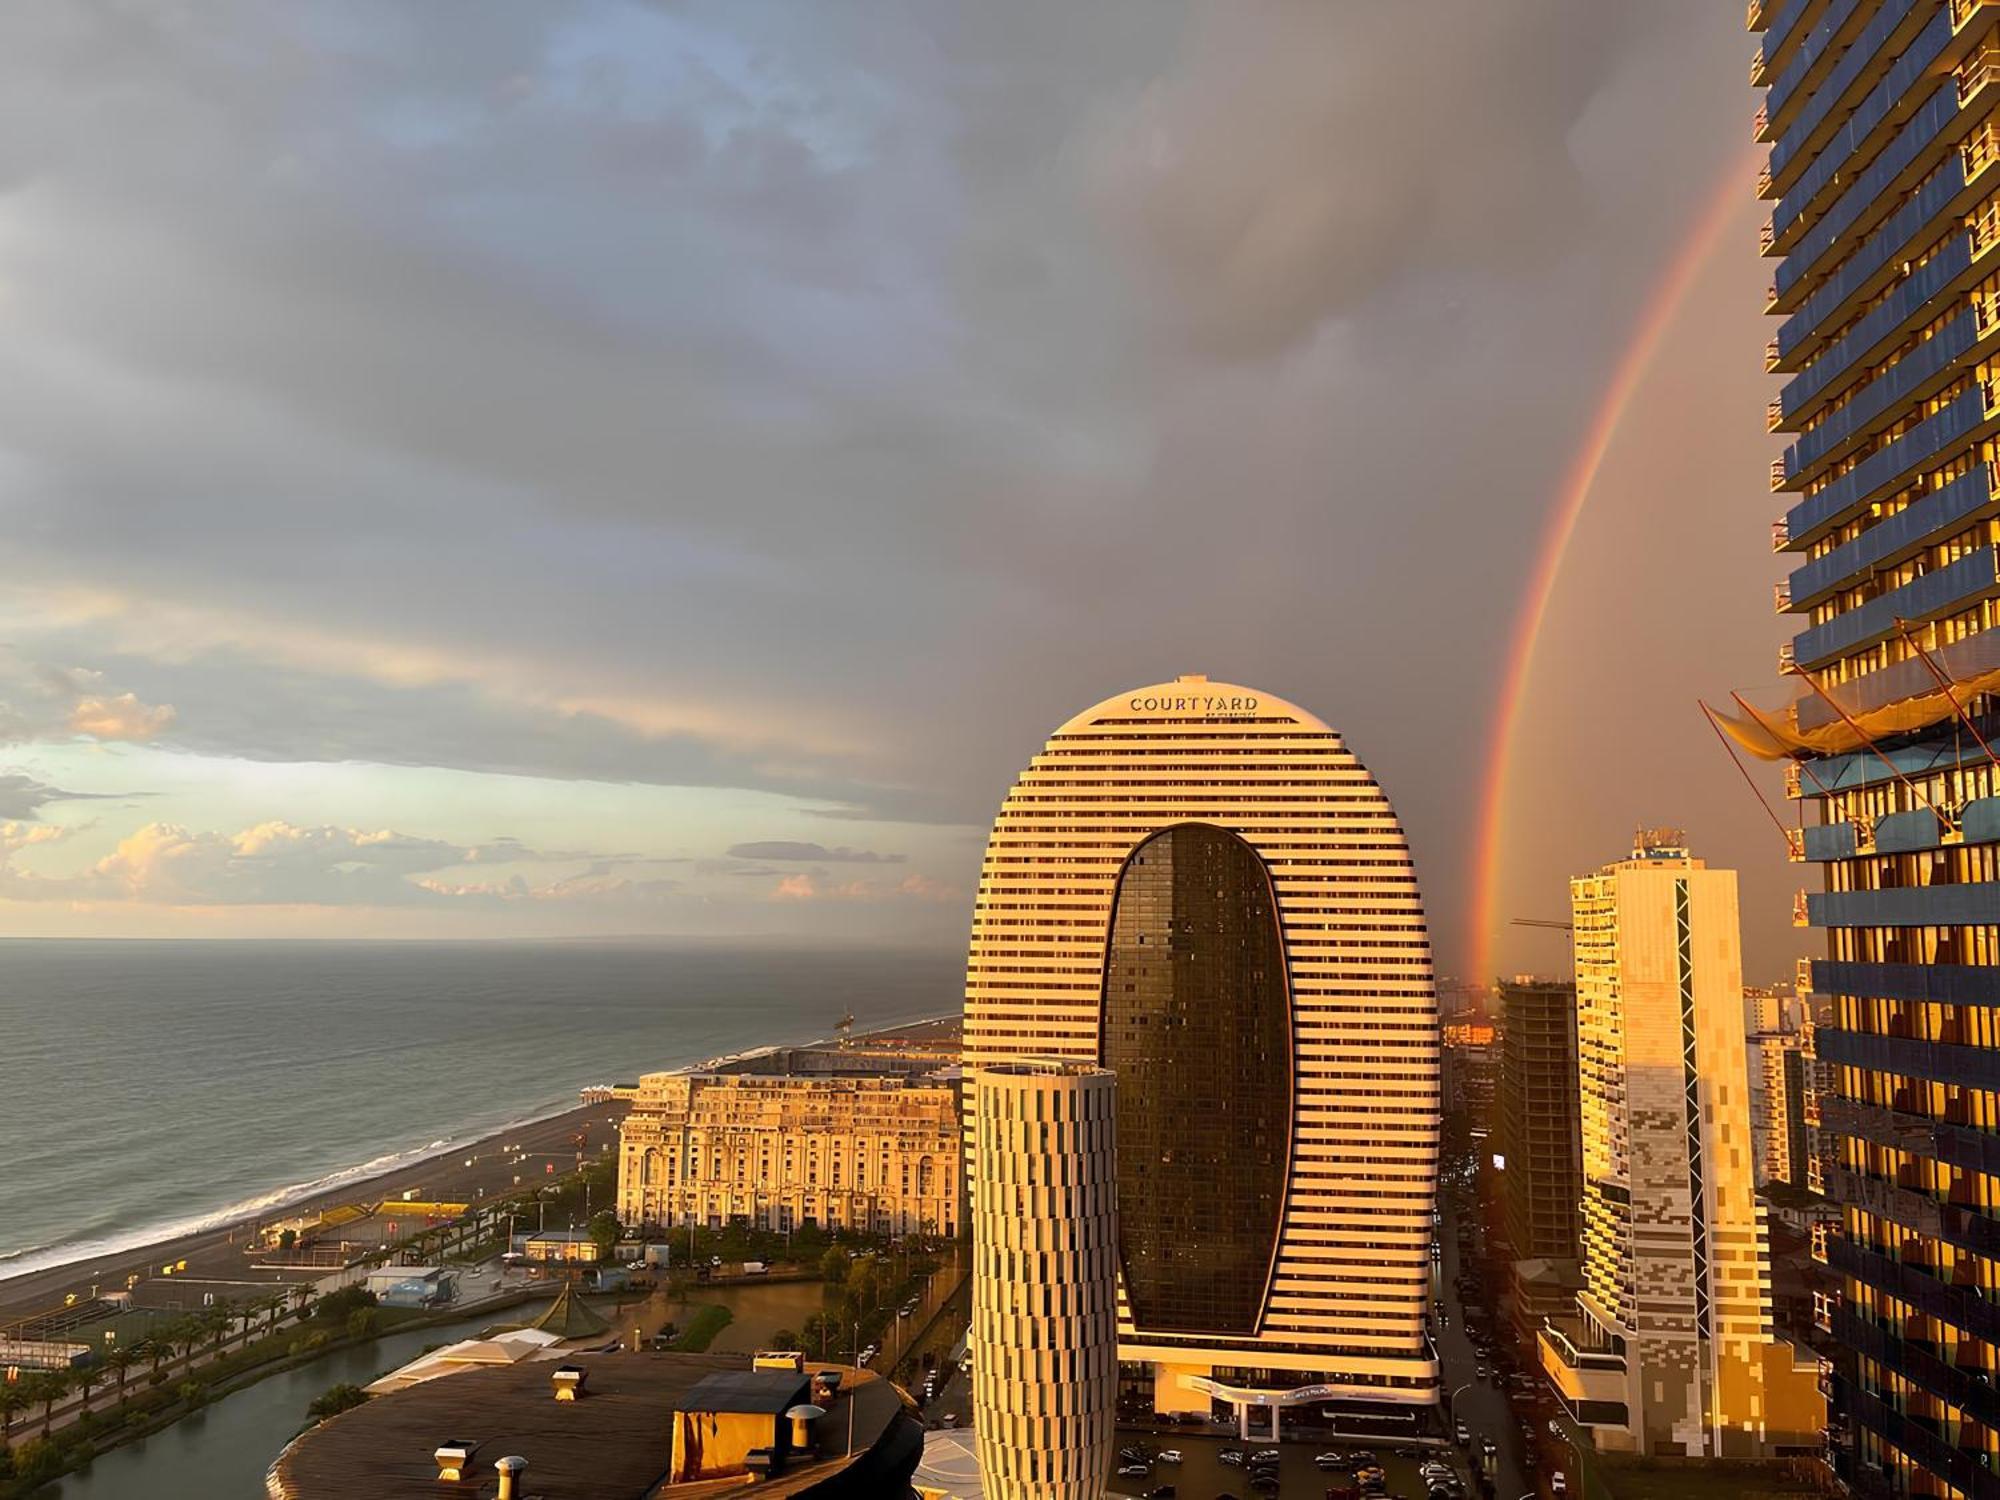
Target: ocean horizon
(155, 1087)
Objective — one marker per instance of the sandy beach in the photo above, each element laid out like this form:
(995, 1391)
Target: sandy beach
(218, 1253)
(466, 1172)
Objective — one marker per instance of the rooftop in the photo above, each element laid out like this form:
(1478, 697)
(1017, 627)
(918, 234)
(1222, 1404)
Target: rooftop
(769, 1391)
(614, 1444)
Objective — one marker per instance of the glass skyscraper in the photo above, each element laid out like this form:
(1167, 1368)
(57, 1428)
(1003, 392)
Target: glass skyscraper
(1884, 180)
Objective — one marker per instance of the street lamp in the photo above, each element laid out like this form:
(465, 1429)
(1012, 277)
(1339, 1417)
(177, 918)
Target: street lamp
(1451, 1400)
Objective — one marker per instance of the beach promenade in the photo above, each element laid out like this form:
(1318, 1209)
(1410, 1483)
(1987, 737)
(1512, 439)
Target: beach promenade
(218, 1254)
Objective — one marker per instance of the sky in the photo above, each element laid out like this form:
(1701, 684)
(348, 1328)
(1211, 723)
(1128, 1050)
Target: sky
(561, 468)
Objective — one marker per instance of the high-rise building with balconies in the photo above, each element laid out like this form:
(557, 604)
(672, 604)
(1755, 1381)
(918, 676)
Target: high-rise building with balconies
(1884, 180)
(1201, 888)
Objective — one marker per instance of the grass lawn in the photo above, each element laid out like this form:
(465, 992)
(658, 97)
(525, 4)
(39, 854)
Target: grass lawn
(703, 1324)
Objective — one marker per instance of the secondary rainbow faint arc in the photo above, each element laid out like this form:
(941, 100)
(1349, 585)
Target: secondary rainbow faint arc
(1581, 475)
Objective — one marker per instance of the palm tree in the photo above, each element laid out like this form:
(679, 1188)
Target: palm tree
(12, 1399)
(274, 1307)
(50, 1386)
(215, 1323)
(85, 1376)
(120, 1360)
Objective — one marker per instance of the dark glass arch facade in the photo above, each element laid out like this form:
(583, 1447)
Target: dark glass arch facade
(1197, 1025)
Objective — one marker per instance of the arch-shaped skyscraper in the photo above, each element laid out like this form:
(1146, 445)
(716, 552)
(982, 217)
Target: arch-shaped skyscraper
(1199, 886)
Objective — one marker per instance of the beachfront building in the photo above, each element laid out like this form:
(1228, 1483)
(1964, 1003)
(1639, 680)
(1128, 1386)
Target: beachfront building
(1199, 887)
(1670, 1349)
(1045, 1281)
(879, 1155)
(1884, 184)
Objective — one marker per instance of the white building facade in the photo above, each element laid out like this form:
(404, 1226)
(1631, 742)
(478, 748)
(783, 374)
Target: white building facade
(1200, 887)
(1044, 1280)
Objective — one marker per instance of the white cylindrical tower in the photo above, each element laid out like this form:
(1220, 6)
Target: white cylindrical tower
(1044, 1280)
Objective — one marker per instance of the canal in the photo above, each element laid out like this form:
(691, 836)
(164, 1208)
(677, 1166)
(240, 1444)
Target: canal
(223, 1451)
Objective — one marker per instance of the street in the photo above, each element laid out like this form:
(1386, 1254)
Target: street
(1481, 1404)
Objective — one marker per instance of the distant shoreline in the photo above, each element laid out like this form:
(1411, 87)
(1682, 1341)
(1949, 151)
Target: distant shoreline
(212, 1238)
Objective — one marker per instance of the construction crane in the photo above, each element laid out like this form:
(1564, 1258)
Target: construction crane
(1538, 922)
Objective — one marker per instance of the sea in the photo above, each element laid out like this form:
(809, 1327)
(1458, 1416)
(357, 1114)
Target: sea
(151, 1089)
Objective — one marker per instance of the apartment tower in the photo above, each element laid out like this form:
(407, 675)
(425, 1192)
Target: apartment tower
(1199, 887)
(1045, 1280)
(1884, 180)
(1670, 1350)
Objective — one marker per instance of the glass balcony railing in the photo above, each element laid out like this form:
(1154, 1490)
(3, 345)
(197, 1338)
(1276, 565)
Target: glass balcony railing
(1903, 80)
(1833, 21)
(1890, 464)
(1868, 191)
(1862, 272)
(1901, 533)
(1885, 394)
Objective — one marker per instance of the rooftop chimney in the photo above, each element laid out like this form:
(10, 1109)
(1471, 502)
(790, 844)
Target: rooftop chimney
(568, 1381)
(454, 1457)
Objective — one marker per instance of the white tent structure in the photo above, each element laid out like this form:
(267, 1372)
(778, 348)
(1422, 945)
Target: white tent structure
(501, 1349)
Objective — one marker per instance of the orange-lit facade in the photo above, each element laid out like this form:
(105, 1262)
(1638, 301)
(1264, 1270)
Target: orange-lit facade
(1884, 183)
(1198, 886)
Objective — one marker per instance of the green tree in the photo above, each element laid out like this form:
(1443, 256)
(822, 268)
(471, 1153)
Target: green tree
(120, 1361)
(361, 1322)
(605, 1230)
(13, 1399)
(46, 1388)
(84, 1377)
(335, 1400)
(193, 1392)
(833, 1266)
(785, 1338)
(36, 1460)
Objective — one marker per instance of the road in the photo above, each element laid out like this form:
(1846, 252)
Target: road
(1482, 1406)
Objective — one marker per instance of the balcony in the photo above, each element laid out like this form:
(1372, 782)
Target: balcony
(1801, 908)
(1757, 69)
(1962, 12)
(1972, 577)
(1777, 473)
(1875, 81)
(1781, 598)
(1891, 465)
(1980, 151)
(1795, 845)
(1781, 536)
(1900, 536)
(1788, 661)
(1921, 372)
(1767, 238)
(1760, 123)
(1764, 185)
(1966, 905)
(1774, 415)
(1976, 72)
(1794, 781)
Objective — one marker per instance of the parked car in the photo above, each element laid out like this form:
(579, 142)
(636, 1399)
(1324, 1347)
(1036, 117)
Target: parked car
(1557, 1484)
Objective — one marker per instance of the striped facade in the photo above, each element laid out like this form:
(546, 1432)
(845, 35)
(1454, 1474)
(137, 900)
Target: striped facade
(1884, 179)
(1342, 1313)
(1045, 1281)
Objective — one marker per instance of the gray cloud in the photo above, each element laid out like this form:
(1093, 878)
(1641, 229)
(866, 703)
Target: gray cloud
(826, 400)
(791, 849)
(21, 796)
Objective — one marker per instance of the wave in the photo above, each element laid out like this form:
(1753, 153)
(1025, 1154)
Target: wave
(36, 1258)
(28, 1261)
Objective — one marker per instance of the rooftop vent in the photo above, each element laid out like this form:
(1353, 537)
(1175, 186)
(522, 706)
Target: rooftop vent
(510, 1469)
(454, 1459)
(569, 1381)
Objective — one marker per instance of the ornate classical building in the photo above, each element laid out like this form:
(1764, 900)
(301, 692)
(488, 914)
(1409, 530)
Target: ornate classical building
(1045, 1281)
(1199, 887)
(879, 1155)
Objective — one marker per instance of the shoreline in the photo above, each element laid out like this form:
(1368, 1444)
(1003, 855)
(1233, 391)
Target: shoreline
(209, 1242)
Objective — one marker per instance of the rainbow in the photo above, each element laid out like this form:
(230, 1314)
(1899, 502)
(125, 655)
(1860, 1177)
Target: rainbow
(1633, 364)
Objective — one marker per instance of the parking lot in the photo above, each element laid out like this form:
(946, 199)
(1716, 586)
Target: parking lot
(1202, 1475)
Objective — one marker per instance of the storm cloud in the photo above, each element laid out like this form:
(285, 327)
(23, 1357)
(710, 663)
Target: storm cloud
(819, 400)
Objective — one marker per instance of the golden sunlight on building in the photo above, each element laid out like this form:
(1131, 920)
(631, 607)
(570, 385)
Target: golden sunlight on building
(875, 1154)
(1670, 1349)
